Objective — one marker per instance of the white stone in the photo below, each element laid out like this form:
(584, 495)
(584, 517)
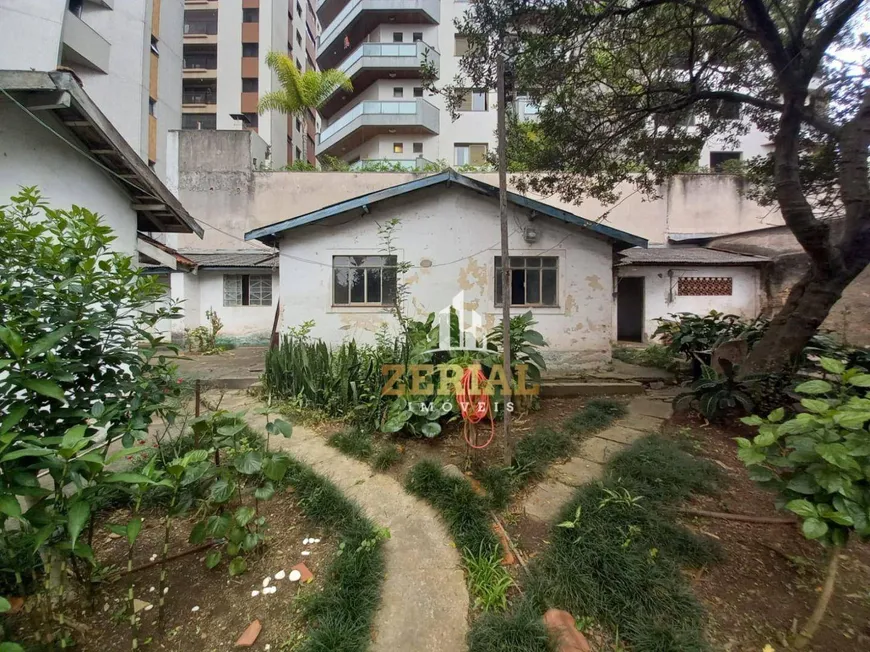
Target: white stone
(151, 589)
(195, 609)
(153, 557)
(305, 541)
(266, 582)
(280, 575)
(166, 590)
(305, 553)
(295, 576)
(149, 607)
(316, 540)
(254, 594)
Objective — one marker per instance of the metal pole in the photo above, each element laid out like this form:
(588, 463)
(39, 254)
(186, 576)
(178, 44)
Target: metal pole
(505, 261)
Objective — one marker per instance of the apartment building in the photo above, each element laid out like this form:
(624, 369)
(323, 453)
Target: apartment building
(225, 72)
(125, 53)
(381, 45)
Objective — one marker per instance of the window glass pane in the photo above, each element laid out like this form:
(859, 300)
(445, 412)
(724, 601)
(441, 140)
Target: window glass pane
(340, 261)
(373, 285)
(340, 285)
(466, 103)
(460, 45)
(357, 261)
(232, 290)
(516, 262)
(389, 284)
(533, 286)
(460, 154)
(498, 298)
(533, 261)
(477, 154)
(548, 287)
(398, 148)
(549, 261)
(498, 261)
(478, 101)
(418, 91)
(357, 286)
(260, 291)
(518, 287)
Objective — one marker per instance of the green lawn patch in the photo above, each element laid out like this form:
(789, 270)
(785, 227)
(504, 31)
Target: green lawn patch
(620, 562)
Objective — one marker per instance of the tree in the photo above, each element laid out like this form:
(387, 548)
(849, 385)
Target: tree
(299, 90)
(618, 82)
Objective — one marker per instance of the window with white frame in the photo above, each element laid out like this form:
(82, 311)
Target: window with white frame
(247, 289)
(534, 281)
(475, 99)
(363, 280)
(470, 153)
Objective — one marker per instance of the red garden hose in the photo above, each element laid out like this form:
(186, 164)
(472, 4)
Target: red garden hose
(474, 407)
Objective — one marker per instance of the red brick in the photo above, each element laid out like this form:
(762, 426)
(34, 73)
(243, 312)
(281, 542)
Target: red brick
(307, 575)
(249, 636)
(508, 558)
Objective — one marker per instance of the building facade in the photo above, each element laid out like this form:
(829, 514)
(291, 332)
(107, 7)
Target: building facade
(225, 72)
(126, 53)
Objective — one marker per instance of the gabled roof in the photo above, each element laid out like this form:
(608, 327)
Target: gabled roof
(268, 234)
(685, 256)
(60, 94)
(224, 259)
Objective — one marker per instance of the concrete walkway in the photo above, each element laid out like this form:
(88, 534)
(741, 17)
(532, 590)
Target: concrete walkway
(424, 605)
(645, 415)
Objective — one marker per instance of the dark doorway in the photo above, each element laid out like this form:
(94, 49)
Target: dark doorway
(629, 309)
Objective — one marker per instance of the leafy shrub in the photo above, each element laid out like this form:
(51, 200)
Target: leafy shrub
(654, 355)
(689, 334)
(719, 395)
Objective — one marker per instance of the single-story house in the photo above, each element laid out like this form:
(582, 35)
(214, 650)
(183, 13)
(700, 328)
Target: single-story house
(655, 282)
(240, 286)
(336, 268)
(53, 136)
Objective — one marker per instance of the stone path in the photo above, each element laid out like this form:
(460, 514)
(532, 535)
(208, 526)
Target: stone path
(645, 415)
(424, 605)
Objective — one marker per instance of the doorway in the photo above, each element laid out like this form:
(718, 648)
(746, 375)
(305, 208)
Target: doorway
(629, 309)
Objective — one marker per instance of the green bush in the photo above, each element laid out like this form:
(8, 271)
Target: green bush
(654, 355)
(689, 334)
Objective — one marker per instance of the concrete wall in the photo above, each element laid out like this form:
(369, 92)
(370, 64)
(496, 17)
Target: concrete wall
(30, 34)
(661, 297)
(578, 330)
(30, 155)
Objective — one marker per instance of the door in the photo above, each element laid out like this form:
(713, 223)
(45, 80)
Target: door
(629, 309)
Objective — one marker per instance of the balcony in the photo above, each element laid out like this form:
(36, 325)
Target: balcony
(200, 26)
(368, 119)
(391, 164)
(373, 61)
(199, 98)
(83, 46)
(327, 10)
(199, 62)
(360, 17)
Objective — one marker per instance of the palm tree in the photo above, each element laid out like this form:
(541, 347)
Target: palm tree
(300, 91)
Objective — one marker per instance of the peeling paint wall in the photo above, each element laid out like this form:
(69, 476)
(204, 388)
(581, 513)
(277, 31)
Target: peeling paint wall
(457, 231)
(661, 297)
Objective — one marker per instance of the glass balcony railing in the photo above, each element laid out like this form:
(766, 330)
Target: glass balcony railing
(368, 108)
(206, 96)
(205, 62)
(389, 50)
(390, 164)
(201, 27)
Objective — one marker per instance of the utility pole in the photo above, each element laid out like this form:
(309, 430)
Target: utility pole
(505, 259)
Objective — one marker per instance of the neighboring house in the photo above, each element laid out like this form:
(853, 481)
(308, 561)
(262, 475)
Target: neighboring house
(336, 271)
(241, 287)
(653, 283)
(53, 136)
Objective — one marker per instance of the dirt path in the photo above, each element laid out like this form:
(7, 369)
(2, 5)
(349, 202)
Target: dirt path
(424, 604)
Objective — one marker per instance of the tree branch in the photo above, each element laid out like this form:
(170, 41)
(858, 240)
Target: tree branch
(768, 35)
(840, 15)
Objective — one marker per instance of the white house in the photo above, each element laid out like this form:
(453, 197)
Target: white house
(655, 282)
(336, 270)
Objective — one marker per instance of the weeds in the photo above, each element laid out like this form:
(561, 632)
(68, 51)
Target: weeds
(596, 415)
(488, 581)
(620, 561)
(654, 355)
(354, 443)
(386, 456)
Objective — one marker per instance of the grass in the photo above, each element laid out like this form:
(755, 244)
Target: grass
(360, 445)
(621, 563)
(340, 617)
(488, 581)
(385, 457)
(654, 355)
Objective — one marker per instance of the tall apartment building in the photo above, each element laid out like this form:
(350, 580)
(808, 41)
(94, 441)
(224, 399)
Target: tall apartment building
(126, 53)
(381, 45)
(225, 72)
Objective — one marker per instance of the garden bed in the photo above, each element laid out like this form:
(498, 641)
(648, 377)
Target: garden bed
(769, 575)
(223, 605)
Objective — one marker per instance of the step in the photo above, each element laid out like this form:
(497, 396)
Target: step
(551, 388)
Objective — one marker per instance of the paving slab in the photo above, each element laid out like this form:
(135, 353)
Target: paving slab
(621, 434)
(596, 449)
(640, 422)
(547, 499)
(650, 408)
(577, 471)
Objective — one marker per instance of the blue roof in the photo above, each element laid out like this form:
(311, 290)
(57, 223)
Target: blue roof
(268, 234)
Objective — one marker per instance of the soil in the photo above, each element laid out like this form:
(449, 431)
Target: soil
(225, 605)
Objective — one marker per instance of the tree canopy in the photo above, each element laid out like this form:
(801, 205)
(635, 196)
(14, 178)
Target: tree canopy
(299, 90)
(630, 90)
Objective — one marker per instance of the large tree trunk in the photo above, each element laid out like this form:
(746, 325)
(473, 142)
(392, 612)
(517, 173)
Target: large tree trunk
(808, 305)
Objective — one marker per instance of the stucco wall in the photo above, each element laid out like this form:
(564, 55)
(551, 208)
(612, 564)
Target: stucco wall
(30, 34)
(30, 155)
(451, 228)
(661, 297)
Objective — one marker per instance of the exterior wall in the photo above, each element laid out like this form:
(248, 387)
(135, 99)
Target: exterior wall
(30, 155)
(578, 331)
(242, 324)
(168, 109)
(661, 297)
(30, 33)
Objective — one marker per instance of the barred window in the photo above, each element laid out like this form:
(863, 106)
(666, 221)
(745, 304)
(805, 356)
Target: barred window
(534, 281)
(364, 280)
(705, 286)
(247, 290)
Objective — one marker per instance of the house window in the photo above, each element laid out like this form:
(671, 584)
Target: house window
(298, 65)
(253, 119)
(198, 121)
(298, 38)
(299, 125)
(151, 104)
(418, 91)
(76, 6)
(705, 286)
(718, 159)
(398, 148)
(417, 36)
(247, 290)
(250, 49)
(460, 45)
(250, 84)
(418, 148)
(360, 280)
(475, 100)
(298, 154)
(250, 15)
(398, 91)
(727, 110)
(398, 37)
(470, 153)
(298, 9)
(534, 281)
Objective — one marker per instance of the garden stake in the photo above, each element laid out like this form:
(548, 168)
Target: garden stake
(162, 582)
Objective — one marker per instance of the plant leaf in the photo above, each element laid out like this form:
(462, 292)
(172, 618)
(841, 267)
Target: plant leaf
(44, 387)
(47, 342)
(244, 515)
(814, 528)
(283, 427)
(238, 566)
(78, 516)
(814, 387)
(249, 463)
(10, 506)
(134, 526)
(213, 558)
(802, 508)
